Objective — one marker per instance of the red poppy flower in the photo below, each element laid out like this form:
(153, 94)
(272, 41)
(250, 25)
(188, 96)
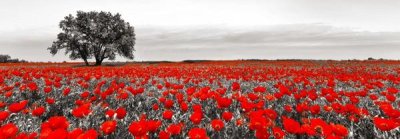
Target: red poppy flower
(89, 134)
(390, 97)
(38, 111)
(197, 133)
(385, 124)
(227, 116)
(159, 86)
(168, 103)
(174, 129)
(47, 89)
(167, 114)
(32, 86)
(75, 133)
(123, 96)
(300, 108)
(138, 129)
(155, 107)
(373, 97)
(58, 134)
(217, 124)
(260, 89)
(258, 123)
(340, 130)
(152, 125)
(262, 134)
(45, 130)
(235, 86)
(50, 100)
(110, 113)
(328, 108)
(23, 135)
(164, 135)
(57, 84)
(57, 122)
(66, 91)
(291, 126)
(392, 90)
(278, 133)
(315, 109)
(32, 135)
(4, 115)
(2, 104)
(224, 102)
(108, 127)
(288, 108)
(82, 111)
(247, 106)
(252, 96)
(162, 99)
(8, 94)
(85, 94)
(239, 122)
(353, 118)
(184, 106)
(8, 130)
(196, 117)
(79, 102)
(354, 100)
(320, 127)
(17, 107)
(121, 113)
(197, 108)
(271, 114)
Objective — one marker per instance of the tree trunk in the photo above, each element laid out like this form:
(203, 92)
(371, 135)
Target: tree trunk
(86, 62)
(83, 56)
(102, 57)
(98, 62)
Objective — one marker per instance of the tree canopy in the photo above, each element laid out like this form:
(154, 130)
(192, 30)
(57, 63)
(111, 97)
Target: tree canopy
(8, 59)
(99, 35)
(4, 58)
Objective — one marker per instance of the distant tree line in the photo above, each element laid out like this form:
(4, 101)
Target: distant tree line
(8, 59)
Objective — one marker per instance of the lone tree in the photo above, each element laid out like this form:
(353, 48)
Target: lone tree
(99, 35)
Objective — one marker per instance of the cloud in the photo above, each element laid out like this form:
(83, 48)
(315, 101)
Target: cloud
(282, 35)
(310, 41)
(306, 41)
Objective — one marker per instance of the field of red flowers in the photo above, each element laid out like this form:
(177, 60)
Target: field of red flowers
(229, 99)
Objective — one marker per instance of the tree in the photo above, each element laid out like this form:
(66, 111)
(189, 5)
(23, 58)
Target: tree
(4, 58)
(98, 35)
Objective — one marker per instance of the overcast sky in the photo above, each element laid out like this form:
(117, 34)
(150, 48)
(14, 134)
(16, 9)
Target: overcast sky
(218, 29)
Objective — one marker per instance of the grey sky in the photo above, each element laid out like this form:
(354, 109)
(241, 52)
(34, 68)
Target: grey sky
(218, 29)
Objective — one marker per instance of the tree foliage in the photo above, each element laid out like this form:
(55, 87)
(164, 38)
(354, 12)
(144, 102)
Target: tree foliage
(4, 58)
(98, 35)
(8, 59)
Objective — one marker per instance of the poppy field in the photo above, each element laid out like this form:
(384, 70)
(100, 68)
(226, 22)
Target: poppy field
(201, 100)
